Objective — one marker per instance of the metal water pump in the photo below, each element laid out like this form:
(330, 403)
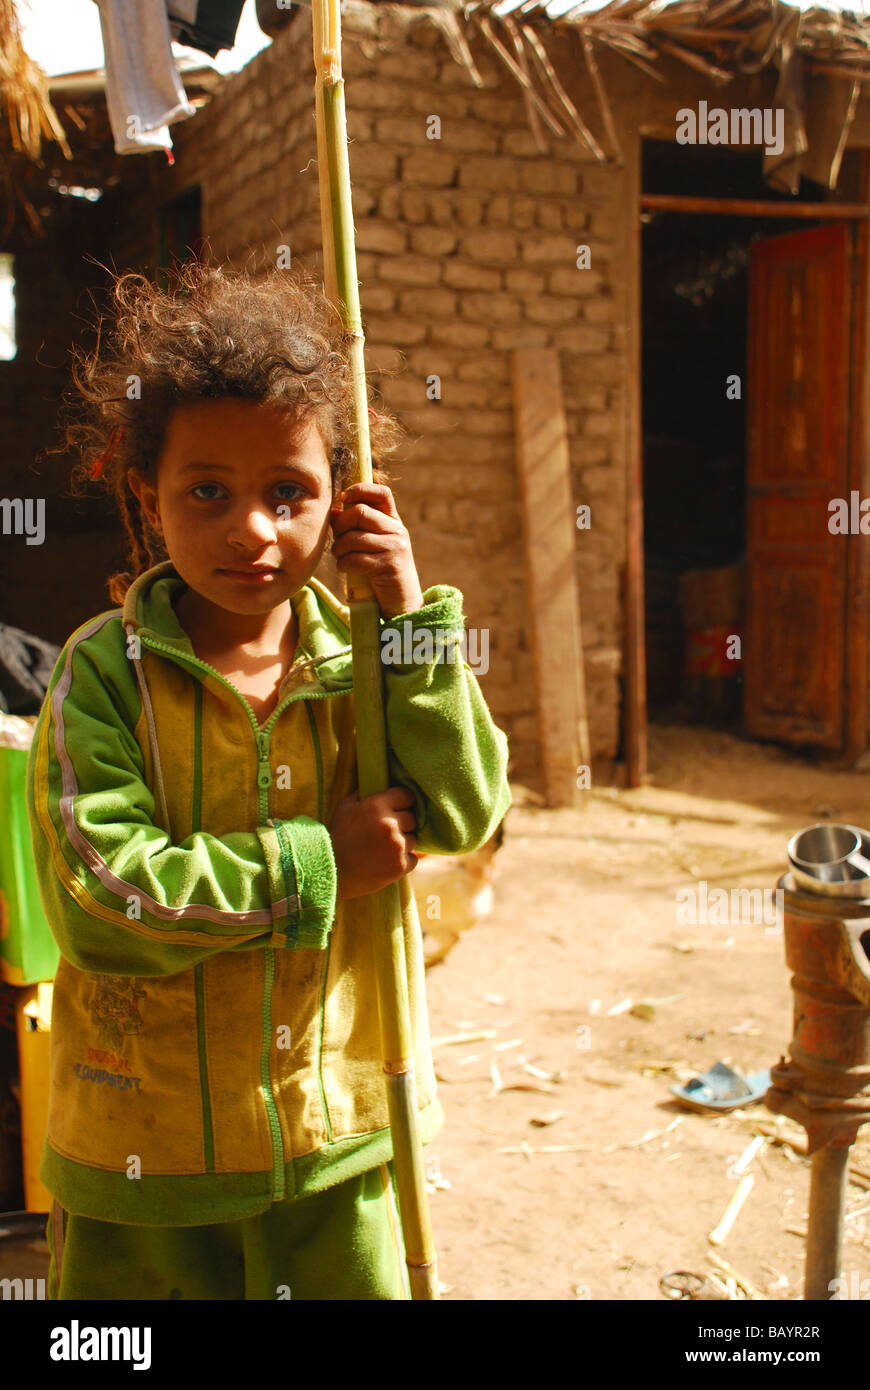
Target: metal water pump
(825, 1083)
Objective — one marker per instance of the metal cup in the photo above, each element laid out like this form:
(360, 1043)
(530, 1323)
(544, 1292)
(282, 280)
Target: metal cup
(830, 858)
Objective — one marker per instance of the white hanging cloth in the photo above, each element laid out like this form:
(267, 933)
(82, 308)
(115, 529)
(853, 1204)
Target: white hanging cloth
(144, 93)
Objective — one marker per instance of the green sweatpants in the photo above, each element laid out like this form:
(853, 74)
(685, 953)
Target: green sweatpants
(343, 1243)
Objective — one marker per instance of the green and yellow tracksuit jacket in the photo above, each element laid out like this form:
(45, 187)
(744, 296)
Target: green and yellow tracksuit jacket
(215, 1041)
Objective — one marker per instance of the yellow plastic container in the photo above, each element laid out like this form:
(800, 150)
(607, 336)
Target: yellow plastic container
(33, 1020)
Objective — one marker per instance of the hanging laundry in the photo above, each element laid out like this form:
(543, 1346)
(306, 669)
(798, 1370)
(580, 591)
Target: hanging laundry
(211, 27)
(144, 93)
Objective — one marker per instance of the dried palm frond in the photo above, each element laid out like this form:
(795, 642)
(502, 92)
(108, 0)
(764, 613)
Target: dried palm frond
(24, 86)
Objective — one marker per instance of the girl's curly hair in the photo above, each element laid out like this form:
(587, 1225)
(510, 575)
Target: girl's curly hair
(211, 334)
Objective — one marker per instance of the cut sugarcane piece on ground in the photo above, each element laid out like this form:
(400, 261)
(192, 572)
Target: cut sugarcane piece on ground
(719, 1234)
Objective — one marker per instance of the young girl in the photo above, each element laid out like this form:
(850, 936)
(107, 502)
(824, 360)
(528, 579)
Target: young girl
(218, 1123)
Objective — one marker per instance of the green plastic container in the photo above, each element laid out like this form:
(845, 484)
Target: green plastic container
(28, 951)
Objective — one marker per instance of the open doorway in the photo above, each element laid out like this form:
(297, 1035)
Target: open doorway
(696, 354)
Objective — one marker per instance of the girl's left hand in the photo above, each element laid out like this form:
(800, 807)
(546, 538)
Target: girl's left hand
(370, 539)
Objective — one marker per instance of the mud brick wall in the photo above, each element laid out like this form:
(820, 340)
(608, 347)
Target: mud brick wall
(468, 248)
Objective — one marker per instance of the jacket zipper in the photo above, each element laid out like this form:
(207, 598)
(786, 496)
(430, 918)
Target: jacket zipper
(264, 781)
(318, 758)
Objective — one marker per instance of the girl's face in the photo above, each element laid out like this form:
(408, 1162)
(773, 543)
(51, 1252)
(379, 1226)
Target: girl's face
(243, 498)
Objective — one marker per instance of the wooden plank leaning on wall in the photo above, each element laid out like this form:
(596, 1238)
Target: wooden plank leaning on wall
(550, 540)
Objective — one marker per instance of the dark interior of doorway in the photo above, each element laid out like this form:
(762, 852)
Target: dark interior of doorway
(695, 293)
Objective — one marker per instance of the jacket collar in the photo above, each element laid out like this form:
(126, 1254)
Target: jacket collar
(324, 622)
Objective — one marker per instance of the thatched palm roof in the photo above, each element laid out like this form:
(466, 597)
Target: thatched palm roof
(722, 39)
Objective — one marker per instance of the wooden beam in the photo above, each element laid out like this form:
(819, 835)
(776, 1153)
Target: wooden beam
(745, 207)
(550, 543)
(634, 714)
(858, 592)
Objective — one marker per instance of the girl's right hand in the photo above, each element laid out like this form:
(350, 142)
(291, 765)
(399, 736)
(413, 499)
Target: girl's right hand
(373, 841)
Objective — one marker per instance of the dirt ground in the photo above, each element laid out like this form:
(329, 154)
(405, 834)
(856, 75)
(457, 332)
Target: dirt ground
(585, 917)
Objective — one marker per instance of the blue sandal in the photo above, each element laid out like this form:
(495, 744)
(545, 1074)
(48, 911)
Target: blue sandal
(720, 1088)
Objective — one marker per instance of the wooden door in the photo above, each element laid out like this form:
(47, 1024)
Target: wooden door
(797, 462)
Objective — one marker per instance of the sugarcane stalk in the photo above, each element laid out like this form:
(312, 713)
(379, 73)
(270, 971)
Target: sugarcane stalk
(385, 908)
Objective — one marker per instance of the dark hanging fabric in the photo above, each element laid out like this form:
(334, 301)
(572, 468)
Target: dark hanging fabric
(214, 28)
(26, 664)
